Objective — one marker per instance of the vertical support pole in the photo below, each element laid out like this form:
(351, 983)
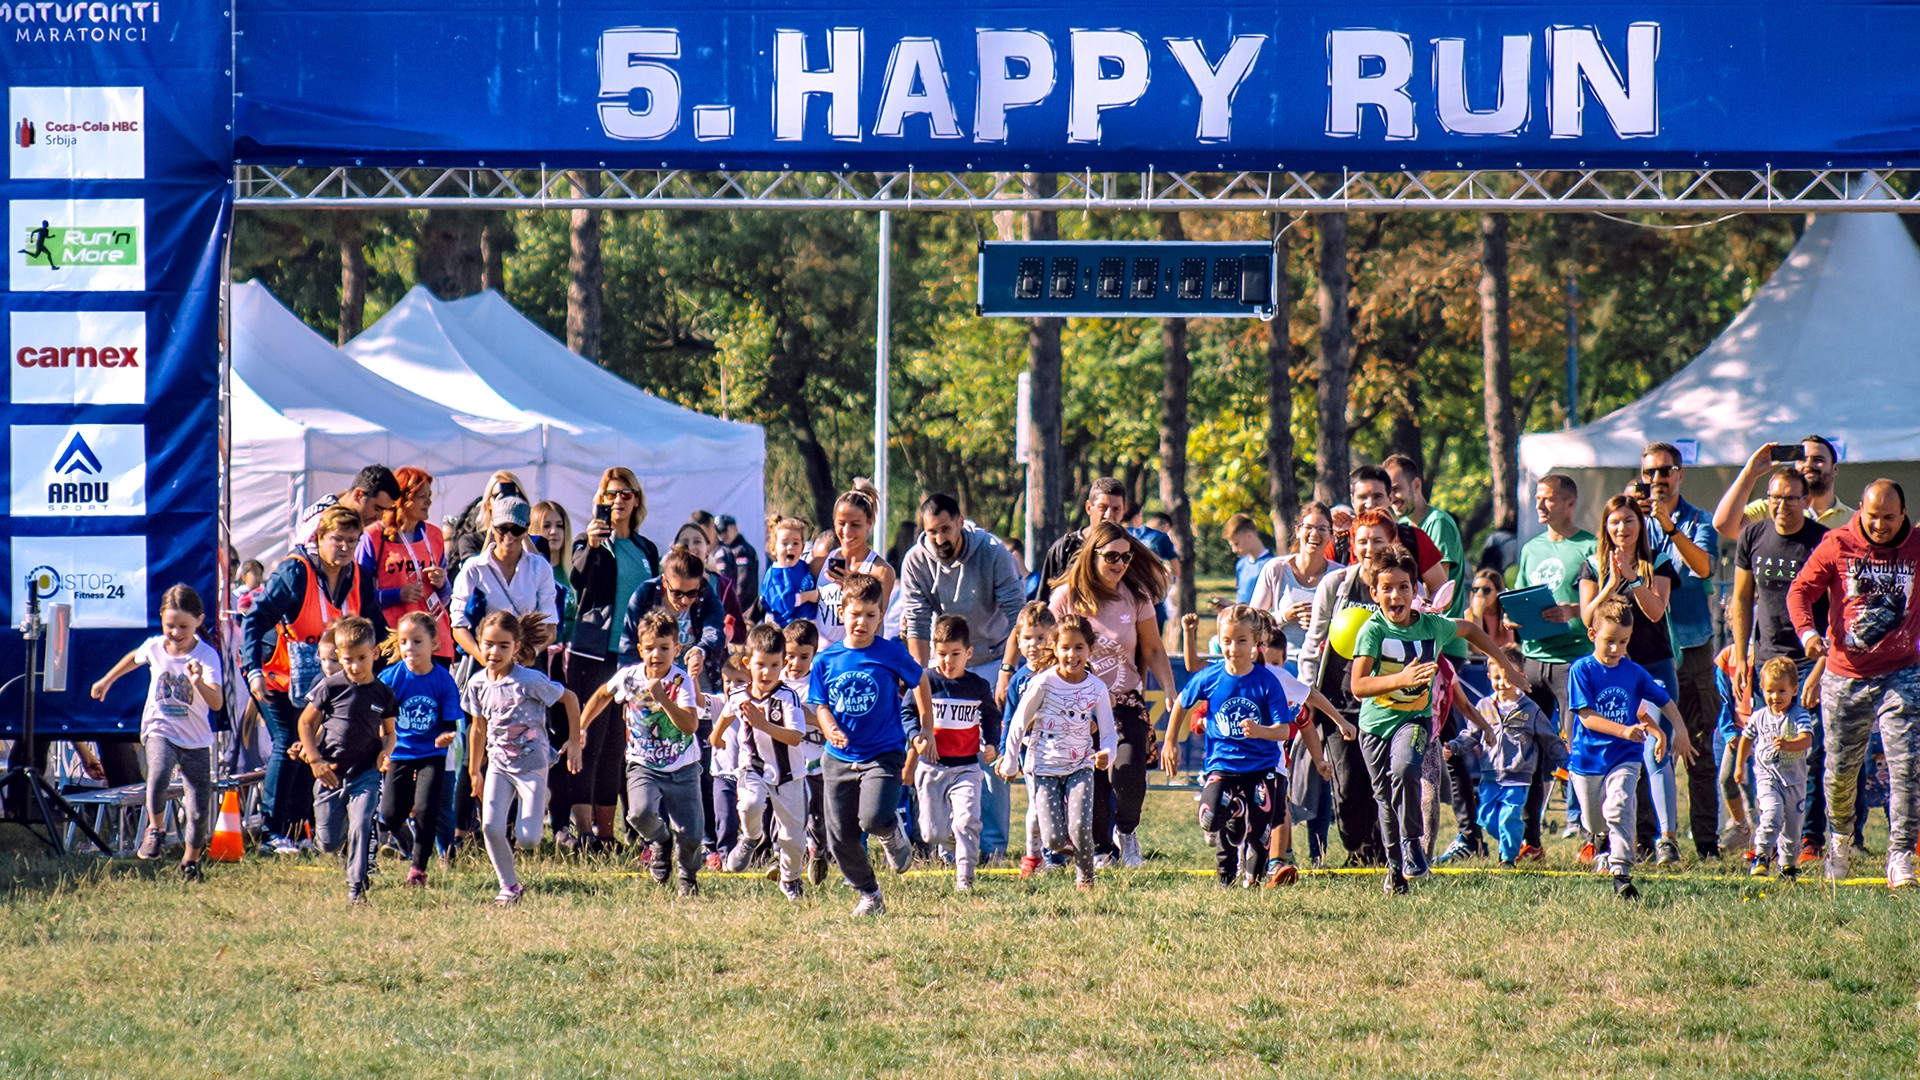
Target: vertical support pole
(1573, 351)
(883, 316)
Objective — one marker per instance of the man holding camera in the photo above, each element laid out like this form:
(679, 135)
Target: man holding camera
(1812, 457)
(1687, 534)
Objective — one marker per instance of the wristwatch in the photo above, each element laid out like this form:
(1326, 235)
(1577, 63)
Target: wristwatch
(1008, 668)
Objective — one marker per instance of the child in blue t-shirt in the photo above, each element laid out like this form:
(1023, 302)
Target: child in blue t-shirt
(855, 692)
(430, 715)
(788, 591)
(1248, 715)
(1606, 691)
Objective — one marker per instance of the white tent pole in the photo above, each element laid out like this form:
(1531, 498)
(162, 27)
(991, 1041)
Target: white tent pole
(882, 317)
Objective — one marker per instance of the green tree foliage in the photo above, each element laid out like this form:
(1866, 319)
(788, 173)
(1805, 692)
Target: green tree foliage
(768, 317)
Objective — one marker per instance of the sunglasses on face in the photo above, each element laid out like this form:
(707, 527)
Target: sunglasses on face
(1654, 472)
(1116, 557)
(619, 495)
(1483, 590)
(509, 530)
(683, 594)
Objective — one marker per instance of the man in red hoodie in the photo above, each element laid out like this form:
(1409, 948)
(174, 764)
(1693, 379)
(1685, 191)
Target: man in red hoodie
(1866, 571)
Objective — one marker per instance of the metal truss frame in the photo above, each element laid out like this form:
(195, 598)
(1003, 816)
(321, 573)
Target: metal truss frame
(1711, 191)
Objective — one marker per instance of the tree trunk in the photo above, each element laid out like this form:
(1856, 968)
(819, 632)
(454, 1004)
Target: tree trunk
(351, 230)
(1503, 440)
(586, 277)
(1283, 489)
(1174, 427)
(1046, 464)
(1332, 448)
(447, 259)
(496, 239)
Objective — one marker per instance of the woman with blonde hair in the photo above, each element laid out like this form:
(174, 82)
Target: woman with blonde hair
(1113, 583)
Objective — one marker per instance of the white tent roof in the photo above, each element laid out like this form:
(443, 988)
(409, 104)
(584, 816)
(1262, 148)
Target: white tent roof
(306, 419)
(1831, 344)
(480, 356)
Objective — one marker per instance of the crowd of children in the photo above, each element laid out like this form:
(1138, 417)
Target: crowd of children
(812, 753)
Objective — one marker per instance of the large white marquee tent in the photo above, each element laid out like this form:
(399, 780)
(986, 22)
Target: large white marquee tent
(461, 389)
(1830, 345)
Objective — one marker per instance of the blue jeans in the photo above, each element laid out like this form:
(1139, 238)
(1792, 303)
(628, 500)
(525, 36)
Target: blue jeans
(1659, 771)
(287, 792)
(1503, 814)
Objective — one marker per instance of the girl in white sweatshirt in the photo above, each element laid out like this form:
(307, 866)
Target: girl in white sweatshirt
(1061, 733)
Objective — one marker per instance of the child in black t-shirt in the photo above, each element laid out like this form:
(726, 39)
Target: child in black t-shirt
(346, 734)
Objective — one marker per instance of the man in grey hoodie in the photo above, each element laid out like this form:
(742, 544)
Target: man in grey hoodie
(956, 569)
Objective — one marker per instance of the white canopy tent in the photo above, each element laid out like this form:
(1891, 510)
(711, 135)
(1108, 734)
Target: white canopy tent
(1830, 345)
(306, 419)
(480, 356)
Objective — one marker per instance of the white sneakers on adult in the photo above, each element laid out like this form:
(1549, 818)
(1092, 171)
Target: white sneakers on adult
(1900, 870)
(1129, 845)
(1839, 857)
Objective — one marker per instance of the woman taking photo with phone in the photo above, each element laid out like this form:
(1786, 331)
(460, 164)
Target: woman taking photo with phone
(853, 517)
(609, 562)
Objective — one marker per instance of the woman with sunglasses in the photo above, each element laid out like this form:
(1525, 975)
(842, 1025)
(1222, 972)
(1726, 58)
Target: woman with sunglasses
(1287, 584)
(1624, 564)
(607, 565)
(1113, 583)
(469, 536)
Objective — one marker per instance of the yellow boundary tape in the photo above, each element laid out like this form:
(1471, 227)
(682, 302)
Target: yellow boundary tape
(1374, 872)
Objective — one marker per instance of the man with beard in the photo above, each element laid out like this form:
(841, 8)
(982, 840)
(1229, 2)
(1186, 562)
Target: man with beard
(1738, 509)
(1865, 570)
(956, 569)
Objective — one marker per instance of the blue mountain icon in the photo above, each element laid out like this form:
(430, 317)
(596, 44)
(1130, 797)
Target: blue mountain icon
(78, 457)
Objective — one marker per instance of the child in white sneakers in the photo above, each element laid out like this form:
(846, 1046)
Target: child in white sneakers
(768, 723)
(966, 732)
(1777, 738)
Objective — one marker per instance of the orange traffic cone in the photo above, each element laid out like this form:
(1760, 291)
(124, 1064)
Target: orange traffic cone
(228, 844)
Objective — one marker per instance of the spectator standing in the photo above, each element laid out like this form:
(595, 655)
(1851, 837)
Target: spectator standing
(1688, 535)
(1553, 559)
(1106, 502)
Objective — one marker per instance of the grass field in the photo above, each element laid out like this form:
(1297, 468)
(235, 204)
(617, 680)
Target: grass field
(118, 969)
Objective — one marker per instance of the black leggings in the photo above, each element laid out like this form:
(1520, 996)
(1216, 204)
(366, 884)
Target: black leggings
(602, 778)
(413, 786)
(1237, 811)
(1121, 790)
(1355, 814)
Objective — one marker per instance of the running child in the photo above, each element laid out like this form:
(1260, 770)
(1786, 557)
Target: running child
(428, 723)
(1395, 662)
(176, 723)
(855, 692)
(1296, 759)
(803, 641)
(966, 732)
(1033, 636)
(770, 725)
(788, 591)
(346, 735)
(1777, 738)
(1061, 733)
(1606, 691)
(1247, 714)
(1517, 741)
(661, 703)
(509, 750)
